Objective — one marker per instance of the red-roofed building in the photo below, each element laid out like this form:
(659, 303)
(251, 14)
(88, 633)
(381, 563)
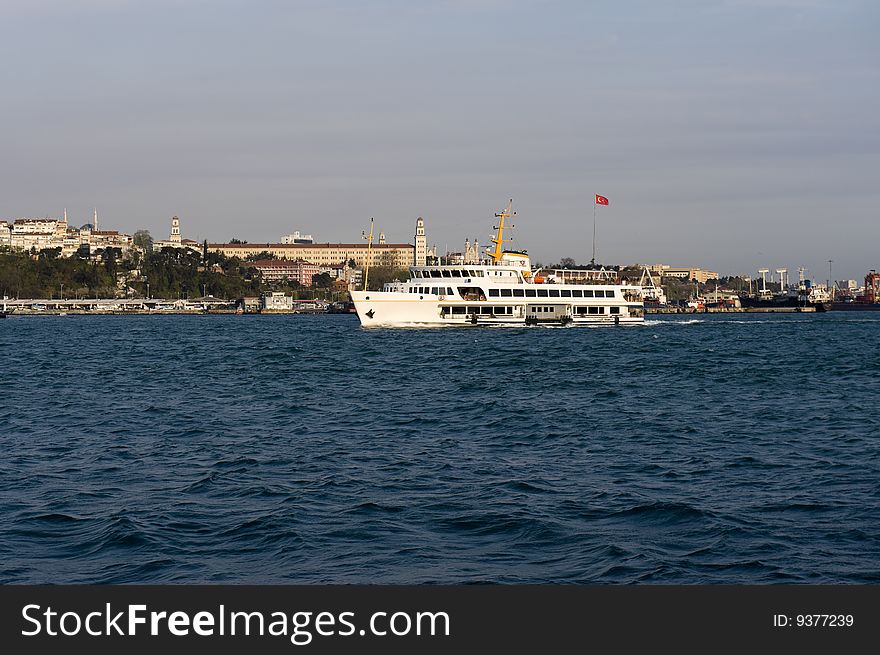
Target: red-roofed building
(274, 270)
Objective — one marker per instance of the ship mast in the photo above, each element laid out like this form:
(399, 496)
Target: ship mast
(498, 239)
(369, 239)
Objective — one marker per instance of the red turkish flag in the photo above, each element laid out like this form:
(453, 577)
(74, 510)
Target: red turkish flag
(601, 200)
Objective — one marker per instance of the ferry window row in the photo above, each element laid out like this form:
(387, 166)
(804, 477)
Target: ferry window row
(508, 310)
(596, 310)
(437, 291)
(485, 311)
(449, 273)
(552, 293)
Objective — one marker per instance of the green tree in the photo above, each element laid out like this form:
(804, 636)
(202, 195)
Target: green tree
(265, 254)
(322, 281)
(142, 239)
(379, 275)
(50, 253)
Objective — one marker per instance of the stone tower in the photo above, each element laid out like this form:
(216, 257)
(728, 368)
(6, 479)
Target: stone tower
(175, 230)
(421, 243)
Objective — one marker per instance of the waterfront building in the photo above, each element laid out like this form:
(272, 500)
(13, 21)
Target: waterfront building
(682, 273)
(277, 301)
(275, 270)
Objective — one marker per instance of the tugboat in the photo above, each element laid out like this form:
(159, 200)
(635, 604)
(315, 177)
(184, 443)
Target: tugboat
(811, 295)
(341, 307)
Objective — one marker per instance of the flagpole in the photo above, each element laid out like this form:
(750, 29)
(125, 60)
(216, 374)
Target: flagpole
(593, 260)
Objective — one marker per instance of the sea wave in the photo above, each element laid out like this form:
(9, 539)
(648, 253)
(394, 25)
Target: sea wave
(738, 449)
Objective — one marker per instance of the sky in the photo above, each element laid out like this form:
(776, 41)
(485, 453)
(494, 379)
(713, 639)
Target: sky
(727, 134)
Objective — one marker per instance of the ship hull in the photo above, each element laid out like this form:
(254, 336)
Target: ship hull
(753, 303)
(396, 309)
(855, 307)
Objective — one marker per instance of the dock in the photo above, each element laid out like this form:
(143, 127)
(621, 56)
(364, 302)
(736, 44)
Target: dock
(728, 310)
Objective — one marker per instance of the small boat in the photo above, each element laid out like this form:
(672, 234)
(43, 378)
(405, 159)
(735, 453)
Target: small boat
(809, 294)
(341, 307)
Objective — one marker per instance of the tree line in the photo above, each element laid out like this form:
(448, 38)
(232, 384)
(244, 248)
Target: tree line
(168, 274)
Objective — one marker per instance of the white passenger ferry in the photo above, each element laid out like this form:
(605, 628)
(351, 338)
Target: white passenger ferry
(504, 290)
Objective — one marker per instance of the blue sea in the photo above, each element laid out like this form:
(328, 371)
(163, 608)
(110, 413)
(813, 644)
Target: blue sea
(733, 448)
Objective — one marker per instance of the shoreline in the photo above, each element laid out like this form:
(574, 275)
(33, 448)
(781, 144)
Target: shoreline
(729, 310)
(280, 312)
(212, 312)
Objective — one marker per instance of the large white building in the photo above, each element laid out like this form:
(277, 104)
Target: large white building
(42, 233)
(395, 255)
(683, 273)
(296, 237)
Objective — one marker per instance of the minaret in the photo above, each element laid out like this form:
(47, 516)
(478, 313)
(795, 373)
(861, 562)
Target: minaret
(95, 221)
(175, 230)
(421, 243)
(65, 215)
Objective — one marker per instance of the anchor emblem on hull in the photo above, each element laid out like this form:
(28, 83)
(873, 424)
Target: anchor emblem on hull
(371, 313)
